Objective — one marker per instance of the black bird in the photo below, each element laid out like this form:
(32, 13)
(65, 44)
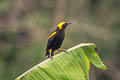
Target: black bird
(55, 39)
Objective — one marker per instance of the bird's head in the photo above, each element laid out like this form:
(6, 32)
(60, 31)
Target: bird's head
(63, 25)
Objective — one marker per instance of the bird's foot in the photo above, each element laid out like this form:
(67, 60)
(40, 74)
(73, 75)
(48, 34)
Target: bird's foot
(62, 50)
(50, 55)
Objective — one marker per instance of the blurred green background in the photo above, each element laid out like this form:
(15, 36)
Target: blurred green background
(25, 26)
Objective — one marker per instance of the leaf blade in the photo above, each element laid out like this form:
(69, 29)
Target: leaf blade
(93, 57)
(71, 65)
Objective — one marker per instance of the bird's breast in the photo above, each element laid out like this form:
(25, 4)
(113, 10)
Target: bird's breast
(61, 33)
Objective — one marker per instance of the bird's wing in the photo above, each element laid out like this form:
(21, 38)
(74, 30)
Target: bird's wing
(51, 39)
(52, 34)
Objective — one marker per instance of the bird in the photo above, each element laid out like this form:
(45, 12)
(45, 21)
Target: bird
(56, 38)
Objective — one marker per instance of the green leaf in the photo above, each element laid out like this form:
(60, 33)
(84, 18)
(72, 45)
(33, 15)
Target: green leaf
(71, 65)
(82, 62)
(93, 57)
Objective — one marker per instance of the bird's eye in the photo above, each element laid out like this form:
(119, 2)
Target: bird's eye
(63, 24)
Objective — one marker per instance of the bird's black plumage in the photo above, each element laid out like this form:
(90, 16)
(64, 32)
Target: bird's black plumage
(56, 38)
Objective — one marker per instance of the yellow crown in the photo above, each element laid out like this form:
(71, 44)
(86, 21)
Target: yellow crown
(60, 25)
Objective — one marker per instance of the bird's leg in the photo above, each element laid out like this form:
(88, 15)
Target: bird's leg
(62, 50)
(50, 54)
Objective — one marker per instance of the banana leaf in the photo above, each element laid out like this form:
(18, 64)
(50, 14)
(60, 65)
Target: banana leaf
(74, 64)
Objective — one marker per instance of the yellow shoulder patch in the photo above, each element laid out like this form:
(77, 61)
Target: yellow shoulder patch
(60, 25)
(52, 34)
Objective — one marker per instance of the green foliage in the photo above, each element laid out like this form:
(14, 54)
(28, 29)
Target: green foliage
(74, 64)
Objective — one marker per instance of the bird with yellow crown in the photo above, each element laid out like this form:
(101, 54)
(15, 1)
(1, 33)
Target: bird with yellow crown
(55, 39)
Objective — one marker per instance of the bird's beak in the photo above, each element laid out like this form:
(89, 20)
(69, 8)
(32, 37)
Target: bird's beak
(68, 22)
